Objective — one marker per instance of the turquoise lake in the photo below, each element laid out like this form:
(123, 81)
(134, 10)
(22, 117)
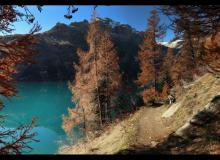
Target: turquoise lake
(46, 101)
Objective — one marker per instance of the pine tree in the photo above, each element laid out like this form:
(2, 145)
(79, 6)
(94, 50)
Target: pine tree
(149, 55)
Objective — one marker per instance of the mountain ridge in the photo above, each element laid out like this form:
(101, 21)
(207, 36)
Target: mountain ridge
(57, 47)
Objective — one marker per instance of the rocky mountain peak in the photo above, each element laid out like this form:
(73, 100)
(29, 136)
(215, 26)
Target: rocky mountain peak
(57, 50)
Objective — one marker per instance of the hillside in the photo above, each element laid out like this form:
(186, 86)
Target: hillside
(191, 125)
(56, 50)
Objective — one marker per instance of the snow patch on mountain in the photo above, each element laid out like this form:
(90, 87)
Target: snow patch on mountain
(174, 44)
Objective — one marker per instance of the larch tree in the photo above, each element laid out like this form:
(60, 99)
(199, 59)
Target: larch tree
(185, 65)
(165, 90)
(196, 20)
(196, 24)
(166, 77)
(150, 55)
(12, 53)
(168, 60)
(212, 56)
(84, 86)
(109, 77)
(97, 79)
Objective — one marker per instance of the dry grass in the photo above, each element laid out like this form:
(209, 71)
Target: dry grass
(122, 135)
(194, 98)
(117, 137)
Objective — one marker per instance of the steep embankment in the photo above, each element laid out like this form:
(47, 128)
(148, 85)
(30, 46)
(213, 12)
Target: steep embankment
(178, 128)
(116, 137)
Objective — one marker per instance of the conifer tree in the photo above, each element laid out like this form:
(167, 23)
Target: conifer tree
(150, 54)
(168, 60)
(12, 53)
(165, 90)
(195, 23)
(85, 87)
(109, 77)
(185, 66)
(97, 79)
(166, 73)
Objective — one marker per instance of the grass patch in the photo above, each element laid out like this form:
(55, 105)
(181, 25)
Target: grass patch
(117, 137)
(194, 99)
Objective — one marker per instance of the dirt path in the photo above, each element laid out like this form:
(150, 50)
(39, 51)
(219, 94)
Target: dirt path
(151, 127)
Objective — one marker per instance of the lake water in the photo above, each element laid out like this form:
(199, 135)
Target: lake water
(46, 101)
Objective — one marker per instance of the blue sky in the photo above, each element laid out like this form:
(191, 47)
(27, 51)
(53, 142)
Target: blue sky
(136, 16)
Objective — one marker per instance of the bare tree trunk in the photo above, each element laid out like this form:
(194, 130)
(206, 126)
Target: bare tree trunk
(97, 87)
(106, 111)
(155, 77)
(84, 122)
(192, 49)
(107, 94)
(155, 83)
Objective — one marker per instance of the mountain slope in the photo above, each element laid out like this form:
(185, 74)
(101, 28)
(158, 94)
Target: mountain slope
(56, 50)
(194, 124)
(57, 47)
